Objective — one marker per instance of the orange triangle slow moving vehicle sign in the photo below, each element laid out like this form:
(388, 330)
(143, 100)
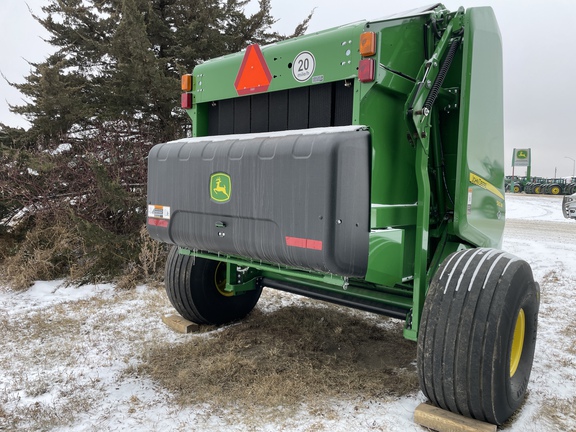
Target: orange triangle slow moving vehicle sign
(253, 75)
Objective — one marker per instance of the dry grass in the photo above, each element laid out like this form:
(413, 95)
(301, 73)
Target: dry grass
(48, 377)
(45, 254)
(286, 358)
(57, 249)
(272, 365)
(559, 414)
(149, 266)
(152, 256)
(305, 359)
(39, 373)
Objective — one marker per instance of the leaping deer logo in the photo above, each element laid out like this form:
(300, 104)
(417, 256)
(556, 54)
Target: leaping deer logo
(220, 187)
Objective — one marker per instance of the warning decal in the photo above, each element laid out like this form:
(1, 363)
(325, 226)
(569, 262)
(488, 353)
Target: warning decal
(158, 211)
(253, 75)
(158, 215)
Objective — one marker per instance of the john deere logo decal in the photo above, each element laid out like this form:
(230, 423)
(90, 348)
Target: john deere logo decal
(220, 187)
(521, 154)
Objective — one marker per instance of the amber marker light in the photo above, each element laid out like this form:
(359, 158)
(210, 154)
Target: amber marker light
(186, 83)
(367, 44)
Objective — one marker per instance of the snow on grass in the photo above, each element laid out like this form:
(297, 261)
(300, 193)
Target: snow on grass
(535, 207)
(44, 294)
(71, 356)
(537, 232)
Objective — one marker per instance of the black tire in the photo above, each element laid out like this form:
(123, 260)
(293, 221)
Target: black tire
(194, 287)
(469, 361)
(555, 190)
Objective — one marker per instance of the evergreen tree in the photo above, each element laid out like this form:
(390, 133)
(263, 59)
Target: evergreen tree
(109, 92)
(122, 59)
(59, 98)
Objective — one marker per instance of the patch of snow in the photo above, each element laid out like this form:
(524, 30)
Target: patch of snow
(267, 135)
(44, 294)
(536, 231)
(64, 147)
(535, 207)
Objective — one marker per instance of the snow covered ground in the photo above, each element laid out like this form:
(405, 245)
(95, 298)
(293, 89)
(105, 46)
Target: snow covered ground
(69, 354)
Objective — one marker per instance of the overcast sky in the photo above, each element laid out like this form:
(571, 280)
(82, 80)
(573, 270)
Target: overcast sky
(539, 63)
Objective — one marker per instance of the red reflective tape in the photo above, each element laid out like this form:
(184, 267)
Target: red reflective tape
(304, 243)
(296, 242)
(163, 223)
(314, 244)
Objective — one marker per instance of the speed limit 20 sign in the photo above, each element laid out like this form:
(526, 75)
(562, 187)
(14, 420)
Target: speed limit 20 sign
(303, 66)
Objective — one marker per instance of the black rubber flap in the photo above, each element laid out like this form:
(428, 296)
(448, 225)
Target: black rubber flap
(300, 198)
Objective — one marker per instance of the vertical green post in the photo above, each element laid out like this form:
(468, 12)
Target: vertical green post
(419, 121)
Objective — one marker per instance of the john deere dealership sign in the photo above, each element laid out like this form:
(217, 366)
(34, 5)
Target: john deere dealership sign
(521, 157)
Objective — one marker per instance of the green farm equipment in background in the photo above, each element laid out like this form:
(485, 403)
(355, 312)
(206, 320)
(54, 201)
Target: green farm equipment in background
(534, 185)
(542, 185)
(553, 186)
(361, 165)
(570, 186)
(519, 184)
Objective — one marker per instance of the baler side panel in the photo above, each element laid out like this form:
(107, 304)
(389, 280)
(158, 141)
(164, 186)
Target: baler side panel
(479, 212)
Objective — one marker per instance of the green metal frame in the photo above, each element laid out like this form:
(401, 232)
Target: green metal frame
(419, 122)
(243, 275)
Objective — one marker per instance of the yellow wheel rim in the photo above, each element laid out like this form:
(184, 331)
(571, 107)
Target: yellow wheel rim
(555, 190)
(517, 342)
(220, 280)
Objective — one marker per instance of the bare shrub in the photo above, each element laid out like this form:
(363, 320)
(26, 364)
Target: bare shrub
(94, 186)
(130, 278)
(152, 256)
(46, 253)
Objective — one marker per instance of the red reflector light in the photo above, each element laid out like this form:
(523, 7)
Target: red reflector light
(366, 70)
(186, 100)
(163, 223)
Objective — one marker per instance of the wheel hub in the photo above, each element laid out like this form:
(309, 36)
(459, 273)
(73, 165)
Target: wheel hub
(220, 280)
(517, 342)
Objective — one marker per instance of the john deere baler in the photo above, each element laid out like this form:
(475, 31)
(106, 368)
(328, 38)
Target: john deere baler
(361, 165)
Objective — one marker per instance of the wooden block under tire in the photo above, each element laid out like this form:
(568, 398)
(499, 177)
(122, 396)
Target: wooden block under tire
(445, 421)
(181, 325)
